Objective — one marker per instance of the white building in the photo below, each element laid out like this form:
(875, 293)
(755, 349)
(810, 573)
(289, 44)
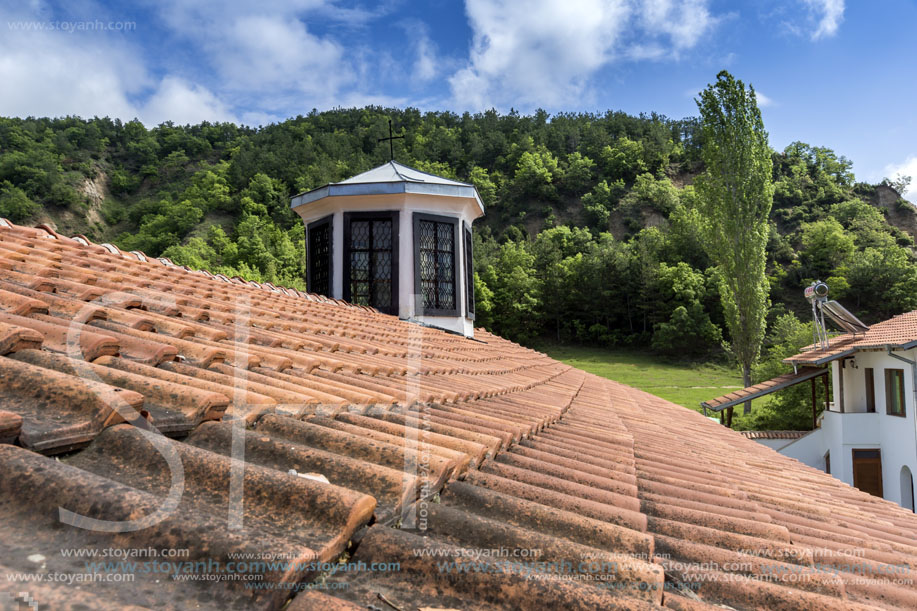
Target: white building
(396, 239)
(868, 436)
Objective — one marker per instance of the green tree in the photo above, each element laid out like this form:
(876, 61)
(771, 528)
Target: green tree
(885, 280)
(864, 222)
(516, 292)
(648, 194)
(555, 265)
(688, 330)
(598, 203)
(483, 303)
(623, 160)
(14, 204)
(791, 408)
(536, 173)
(486, 187)
(735, 195)
(826, 248)
(684, 240)
(578, 175)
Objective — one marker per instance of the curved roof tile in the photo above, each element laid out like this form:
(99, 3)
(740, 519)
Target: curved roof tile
(493, 476)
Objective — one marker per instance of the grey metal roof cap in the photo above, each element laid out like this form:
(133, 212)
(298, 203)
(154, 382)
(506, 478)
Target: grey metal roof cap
(398, 172)
(390, 178)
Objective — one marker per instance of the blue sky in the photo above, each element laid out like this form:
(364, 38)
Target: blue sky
(830, 73)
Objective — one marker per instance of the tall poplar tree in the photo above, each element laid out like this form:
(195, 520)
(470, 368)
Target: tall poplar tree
(734, 197)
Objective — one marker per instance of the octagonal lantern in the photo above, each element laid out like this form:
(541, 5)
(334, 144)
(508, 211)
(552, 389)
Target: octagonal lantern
(396, 239)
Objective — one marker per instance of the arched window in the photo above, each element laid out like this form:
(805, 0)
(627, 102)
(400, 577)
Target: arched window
(907, 488)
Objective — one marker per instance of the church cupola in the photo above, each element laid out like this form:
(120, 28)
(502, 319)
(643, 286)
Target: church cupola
(396, 239)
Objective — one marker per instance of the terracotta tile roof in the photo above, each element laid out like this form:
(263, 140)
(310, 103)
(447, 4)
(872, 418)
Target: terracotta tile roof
(764, 388)
(130, 390)
(774, 434)
(897, 332)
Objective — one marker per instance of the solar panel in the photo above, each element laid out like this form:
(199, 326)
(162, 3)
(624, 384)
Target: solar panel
(843, 318)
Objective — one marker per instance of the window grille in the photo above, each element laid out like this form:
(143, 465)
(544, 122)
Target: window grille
(320, 261)
(435, 264)
(371, 246)
(469, 274)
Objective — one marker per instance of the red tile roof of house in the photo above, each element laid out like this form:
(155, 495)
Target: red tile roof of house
(763, 388)
(898, 332)
(774, 434)
(493, 476)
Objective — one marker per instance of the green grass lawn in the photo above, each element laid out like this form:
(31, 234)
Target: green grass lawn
(686, 384)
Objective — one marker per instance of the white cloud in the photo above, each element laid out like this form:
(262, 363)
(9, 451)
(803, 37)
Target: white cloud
(265, 52)
(683, 22)
(53, 74)
(544, 52)
(652, 51)
(262, 62)
(763, 100)
(906, 168)
(281, 57)
(258, 118)
(426, 65)
(829, 14)
(536, 53)
(188, 14)
(181, 102)
(266, 56)
(47, 73)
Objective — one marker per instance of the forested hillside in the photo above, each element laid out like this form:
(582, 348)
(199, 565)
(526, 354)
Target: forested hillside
(590, 234)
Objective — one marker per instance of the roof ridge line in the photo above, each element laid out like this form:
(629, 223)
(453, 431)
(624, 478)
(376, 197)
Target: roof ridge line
(142, 257)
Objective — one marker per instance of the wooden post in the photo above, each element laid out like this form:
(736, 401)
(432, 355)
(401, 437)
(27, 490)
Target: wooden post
(839, 382)
(814, 414)
(825, 380)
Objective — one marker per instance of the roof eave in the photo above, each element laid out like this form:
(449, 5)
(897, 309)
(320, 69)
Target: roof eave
(825, 359)
(862, 347)
(387, 188)
(766, 391)
(887, 345)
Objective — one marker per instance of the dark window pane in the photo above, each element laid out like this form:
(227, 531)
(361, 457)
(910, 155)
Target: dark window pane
(428, 289)
(445, 296)
(427, 235)
(371, 248)
(894, 391)
(382, 265)
(359, 260)
(469, 273)
(436, 247)
(870, 390)
(444, 237)
(382, 235)
(320, 259)
(360, 293)
(359, 235)
(382, 294)
(446, 269)
(427, 267)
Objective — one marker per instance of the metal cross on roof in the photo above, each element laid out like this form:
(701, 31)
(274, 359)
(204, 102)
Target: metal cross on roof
(391, 139)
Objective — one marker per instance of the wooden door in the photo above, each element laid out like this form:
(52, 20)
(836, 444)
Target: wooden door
(867, 471)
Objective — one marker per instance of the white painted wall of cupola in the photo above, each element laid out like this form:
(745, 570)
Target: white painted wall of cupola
(394, 188)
